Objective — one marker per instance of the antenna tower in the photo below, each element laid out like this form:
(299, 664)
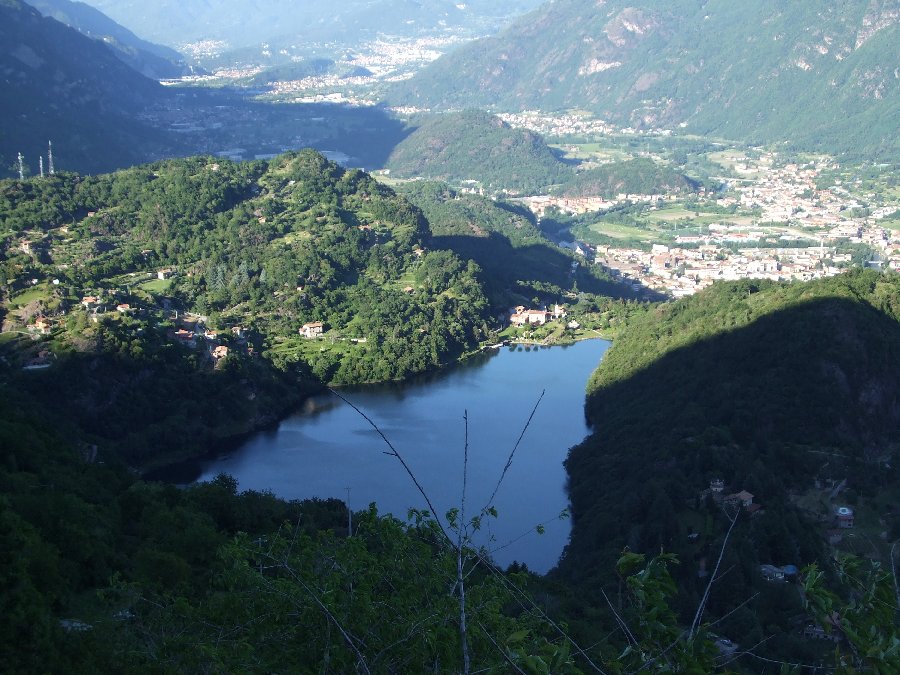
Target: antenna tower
(50, 157)
(41, 165)
(21, 167)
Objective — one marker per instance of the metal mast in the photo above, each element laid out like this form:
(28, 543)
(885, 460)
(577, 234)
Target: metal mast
(21, 167)
(50, 157)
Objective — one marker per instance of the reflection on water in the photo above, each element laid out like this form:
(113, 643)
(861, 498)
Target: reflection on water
(327, 448)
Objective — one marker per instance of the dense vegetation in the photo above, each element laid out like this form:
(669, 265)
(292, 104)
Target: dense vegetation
(255, 251)
(101, 572)
(503, 239)
(481, 151)
(104, 573)
(637, 176)
(475, 146)
(788, 391)
(810, 75)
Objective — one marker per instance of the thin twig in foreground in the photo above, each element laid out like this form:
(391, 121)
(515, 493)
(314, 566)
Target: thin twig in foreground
(512, 454)
(396, 454)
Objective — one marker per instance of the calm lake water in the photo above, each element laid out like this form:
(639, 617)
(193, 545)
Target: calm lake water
(328, 448)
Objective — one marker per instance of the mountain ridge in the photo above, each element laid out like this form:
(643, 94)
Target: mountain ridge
(758, 72)
(151, 60)
(86, 106)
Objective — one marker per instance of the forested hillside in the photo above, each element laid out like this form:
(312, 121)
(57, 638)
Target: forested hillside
(151, 60)
(810, 74)
(202, 275)
(86, 105)
(480, 150)
(502, 238)
(788, 392)
(475, 146)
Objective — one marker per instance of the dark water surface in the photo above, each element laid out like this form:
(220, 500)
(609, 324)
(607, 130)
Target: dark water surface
(327, 448)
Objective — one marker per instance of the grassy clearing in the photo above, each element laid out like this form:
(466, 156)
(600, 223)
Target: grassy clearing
(37, 293)
(727, 158)
(620, 231)
(301, 347)
(156, 285)
(596, 152)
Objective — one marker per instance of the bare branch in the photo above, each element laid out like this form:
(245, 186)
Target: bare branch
(460, 526)
(513, 452)
(396, 454)
(522, 597)
(699, 615)
(620, 621)
(894, 572)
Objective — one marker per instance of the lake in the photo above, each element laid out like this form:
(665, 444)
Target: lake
(328, 449)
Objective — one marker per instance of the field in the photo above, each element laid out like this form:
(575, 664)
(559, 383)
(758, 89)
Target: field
(31, 295)
(660, 225)
(590, 152)
(156, 285)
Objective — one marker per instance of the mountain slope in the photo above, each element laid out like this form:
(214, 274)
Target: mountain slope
(264, 247)
(151, 60)
(173, 22)
(473, 145)
(85, 105)
(777, 389)
(760, 71)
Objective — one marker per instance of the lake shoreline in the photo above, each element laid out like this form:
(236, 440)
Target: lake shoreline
(181, 470)
(325, 448)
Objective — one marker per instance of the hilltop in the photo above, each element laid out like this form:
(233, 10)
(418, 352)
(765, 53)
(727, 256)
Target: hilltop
(786, 391)
(814, 76)
(475, 148)
(302, 272)
(473, 145)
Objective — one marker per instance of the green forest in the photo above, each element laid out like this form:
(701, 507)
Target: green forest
(143, 274)
(479, 150)
(156, 313)
(784, 391)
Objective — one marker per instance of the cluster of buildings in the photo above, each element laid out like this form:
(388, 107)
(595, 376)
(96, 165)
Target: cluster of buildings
(191, 331)
(678, 272)
(539, 204)
(522, 316)
(787, 209)
(558, 125)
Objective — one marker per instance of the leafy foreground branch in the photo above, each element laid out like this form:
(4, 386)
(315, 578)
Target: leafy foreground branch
(379, 601)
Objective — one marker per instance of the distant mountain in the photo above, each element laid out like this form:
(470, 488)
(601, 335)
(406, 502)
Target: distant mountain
(152, 60)
(818, 75)
(57, 84)
(176, 22)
